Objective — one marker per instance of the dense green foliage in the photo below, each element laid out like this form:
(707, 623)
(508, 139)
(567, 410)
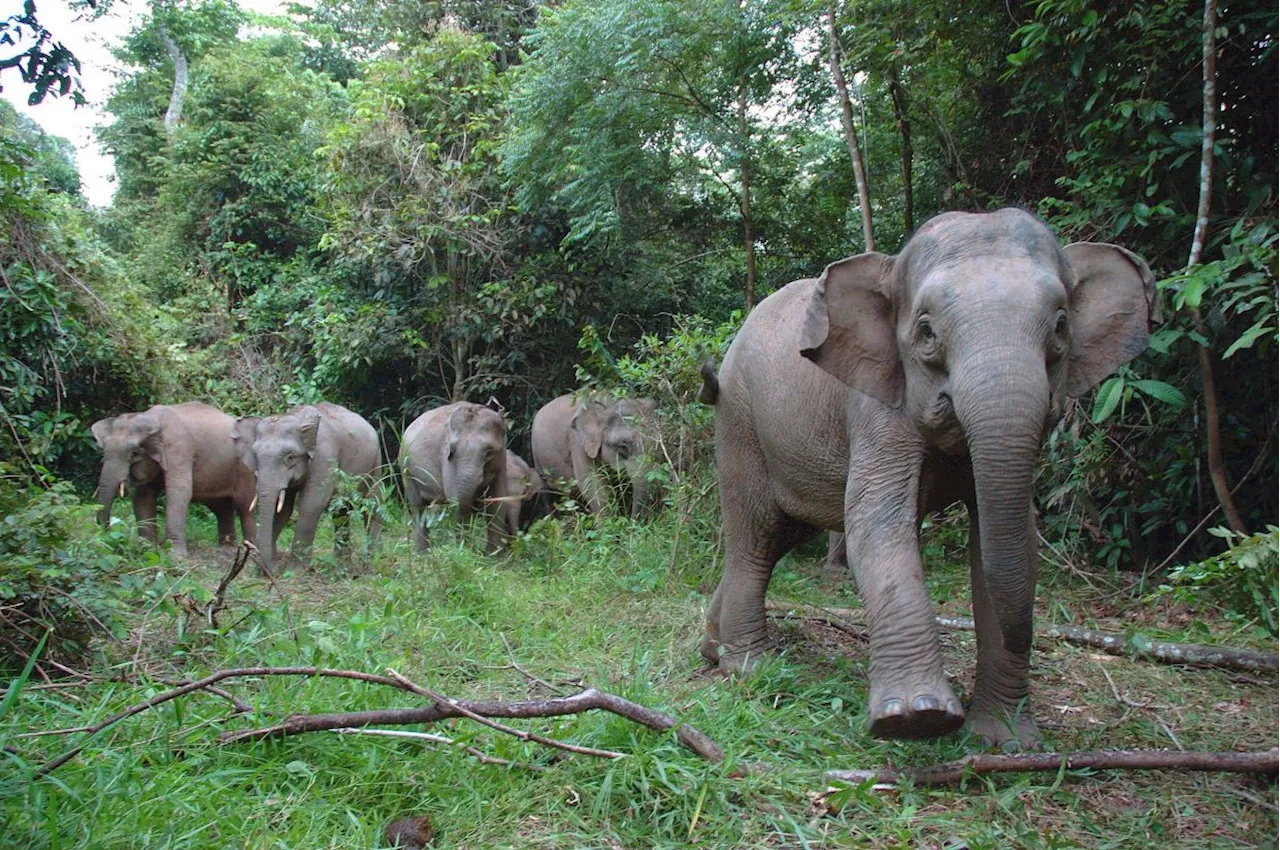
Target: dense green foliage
(392, 204)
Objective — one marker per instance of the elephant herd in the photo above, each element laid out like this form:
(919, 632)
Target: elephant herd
(857, 402)
(260, 469)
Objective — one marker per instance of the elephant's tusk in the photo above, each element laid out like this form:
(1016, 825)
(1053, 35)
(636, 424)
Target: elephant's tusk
(253, 504)
(122, 489)
(280, 502)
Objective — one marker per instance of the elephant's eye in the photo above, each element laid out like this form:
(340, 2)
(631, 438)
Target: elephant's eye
(449, 454)
(926, 337)
(1061, 327)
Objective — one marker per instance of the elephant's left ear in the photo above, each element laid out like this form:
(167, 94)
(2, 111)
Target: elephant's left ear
(1113, 305)
(243, 435)
(101, 429)
(848, 327)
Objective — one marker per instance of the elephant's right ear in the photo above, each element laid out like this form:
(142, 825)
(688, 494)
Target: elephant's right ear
(101, 429)
(244, 434)
(848, 327)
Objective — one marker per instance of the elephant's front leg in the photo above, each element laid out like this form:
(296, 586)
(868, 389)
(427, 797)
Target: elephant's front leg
(1001, 711)
(144, 511)
(177, 503)
(910, 694)
(224, 511)
(315, 498)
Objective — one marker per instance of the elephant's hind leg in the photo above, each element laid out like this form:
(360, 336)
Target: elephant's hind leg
(225, 511)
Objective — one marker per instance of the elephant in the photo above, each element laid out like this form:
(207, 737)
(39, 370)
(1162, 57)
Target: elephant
(294, 455)
(580, 441)
(525, 480)
(891, 387)
(458, 453)
(184, 450)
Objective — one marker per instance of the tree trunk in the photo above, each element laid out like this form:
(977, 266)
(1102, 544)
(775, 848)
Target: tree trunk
(1213, 419)
(898, 93)
(744, 166)
(851, 136)
(174, 113)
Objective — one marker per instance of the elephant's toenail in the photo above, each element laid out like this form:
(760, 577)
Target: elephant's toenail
(892, 708)
(954, 707)
(926, 704)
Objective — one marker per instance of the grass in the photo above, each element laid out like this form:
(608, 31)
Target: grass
(606, 603)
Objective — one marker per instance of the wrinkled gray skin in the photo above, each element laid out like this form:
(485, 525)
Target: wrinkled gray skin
(294, 455)
(927, 378)
(457, 453)
(524, 481)
(184, 451)
(580, 441)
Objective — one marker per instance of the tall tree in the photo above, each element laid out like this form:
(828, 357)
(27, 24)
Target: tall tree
(850, 134)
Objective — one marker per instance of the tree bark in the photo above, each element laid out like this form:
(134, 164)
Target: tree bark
(744, 166)
(1212, 415)
(174, 113)
(898, 93)
(850, 135)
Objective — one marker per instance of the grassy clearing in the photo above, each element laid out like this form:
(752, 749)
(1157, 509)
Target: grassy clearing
(607, 604)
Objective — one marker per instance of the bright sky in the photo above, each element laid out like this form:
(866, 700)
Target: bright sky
(91, 41)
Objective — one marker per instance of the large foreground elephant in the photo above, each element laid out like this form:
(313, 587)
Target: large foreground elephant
(458, 453)
(893, 386)
(295, 455)
(582, 441)
(184, 451)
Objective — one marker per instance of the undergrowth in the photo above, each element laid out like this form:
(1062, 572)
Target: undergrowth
(614, 605)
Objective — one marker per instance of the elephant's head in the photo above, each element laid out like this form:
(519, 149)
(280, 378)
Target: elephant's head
(279, 450)
(975, 334)
(132, 452)
(619, 435)
(474, 466)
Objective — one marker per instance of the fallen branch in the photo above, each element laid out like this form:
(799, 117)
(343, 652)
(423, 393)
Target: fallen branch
(1137, 647)
(588, 700)
(981, 764)
(442, 708)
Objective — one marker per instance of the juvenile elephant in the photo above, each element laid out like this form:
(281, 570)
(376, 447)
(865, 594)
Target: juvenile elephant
(458, 453)
(185, 451)
(294, 455)
(524, 480)
(579, 441)
(893, 386)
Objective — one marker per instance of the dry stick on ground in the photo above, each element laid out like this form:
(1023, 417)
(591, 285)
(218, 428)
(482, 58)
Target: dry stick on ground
(1192, 654)
(588, 700)
(978, 764)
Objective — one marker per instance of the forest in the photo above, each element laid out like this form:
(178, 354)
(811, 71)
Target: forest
(395, 206)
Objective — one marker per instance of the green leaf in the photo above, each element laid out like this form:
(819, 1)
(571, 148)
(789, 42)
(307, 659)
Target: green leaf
(1161, 391)
(1108, 397)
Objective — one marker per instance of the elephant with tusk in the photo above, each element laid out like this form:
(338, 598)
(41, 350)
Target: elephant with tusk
(185, 451)
(894, 386)
(294, 456)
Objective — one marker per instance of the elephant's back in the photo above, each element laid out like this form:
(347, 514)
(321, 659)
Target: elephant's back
(794, 412)
(549, 436)
(358, 452)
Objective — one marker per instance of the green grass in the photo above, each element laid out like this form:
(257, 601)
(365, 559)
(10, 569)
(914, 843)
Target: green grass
(606, 603)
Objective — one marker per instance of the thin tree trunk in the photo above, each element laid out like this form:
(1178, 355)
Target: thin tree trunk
(174, 113)
(851, 135)
(899, 96)
(744, 165)
(1213, 418)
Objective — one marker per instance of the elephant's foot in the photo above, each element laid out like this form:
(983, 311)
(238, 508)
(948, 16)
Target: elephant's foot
(926, 711)
(1004, 731)
(733, 662)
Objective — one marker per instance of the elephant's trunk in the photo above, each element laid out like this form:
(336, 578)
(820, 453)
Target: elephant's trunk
(469, 481)
(270, 496)
(641, 489)
(110, 484)
(1003, 413)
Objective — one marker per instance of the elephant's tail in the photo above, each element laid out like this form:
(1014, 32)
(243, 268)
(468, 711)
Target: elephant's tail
(710, 383)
